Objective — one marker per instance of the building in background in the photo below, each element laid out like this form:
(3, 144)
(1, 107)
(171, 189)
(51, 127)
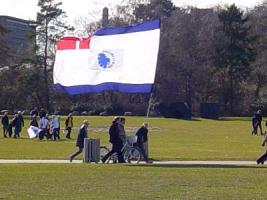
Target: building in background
(18, 36)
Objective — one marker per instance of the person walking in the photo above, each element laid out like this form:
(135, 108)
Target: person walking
(16, 123)
(115, 140)
(259, 119)
(69, 125)
(263, 158)
(55, 126)
(254, 125)
(43, 126)
(142, 139)
(83, 133)
(5, 123)
(20, 122)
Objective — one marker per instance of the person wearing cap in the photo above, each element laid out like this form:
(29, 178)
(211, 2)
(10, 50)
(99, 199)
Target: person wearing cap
(83, 133)
(5, 123)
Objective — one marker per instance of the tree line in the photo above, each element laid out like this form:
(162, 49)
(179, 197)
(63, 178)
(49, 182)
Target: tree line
(205, 55)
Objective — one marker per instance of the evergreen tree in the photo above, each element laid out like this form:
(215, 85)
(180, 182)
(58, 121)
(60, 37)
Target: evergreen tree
(234, 50)
(50, 27)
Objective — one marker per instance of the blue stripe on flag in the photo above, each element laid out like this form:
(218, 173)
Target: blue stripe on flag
(121, 87)
(145, 26)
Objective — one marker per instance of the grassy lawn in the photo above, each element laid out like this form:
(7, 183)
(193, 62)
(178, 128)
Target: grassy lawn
(97, 181)
(169, 139)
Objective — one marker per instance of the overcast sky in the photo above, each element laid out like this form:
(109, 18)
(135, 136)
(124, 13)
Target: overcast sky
(26, 9)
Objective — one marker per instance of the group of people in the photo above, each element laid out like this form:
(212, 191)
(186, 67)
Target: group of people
(16, 123)
(49, 128)
(256, 123)
(117, 137)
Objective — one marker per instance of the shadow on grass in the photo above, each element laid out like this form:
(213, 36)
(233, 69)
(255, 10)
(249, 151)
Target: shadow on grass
(201, 166)
(234, 119)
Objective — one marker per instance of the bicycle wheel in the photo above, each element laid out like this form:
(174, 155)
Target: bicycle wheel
(103, 151)
(132, 155)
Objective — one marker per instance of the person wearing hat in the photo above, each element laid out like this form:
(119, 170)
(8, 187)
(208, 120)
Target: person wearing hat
(83, 133)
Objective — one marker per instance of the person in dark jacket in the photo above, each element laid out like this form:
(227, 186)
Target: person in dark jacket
(5, 123)
(69, 125)
(83, 133)
(16, 123)
(34, 112)
(259, 119)
(115, 140)
(42, 113)
(20, 122)
(141, 139)
(254, 125)
(33, 121)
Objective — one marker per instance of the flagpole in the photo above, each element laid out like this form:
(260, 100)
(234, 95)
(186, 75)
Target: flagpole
(149, 102)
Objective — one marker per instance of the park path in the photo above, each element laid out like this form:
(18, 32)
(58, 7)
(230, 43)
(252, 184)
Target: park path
(193, 162)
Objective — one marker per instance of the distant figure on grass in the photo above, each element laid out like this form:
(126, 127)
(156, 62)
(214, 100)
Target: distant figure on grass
(17, 123)
(21, 121)
(83, 133)
(44, 124)
(69, 125)
(115, 140)
(34, 112)
(254, 125)
(55, 127)
(34, 121)
(256, 122)
(42, 113)
(259, 118)
(5, 123)
(142, 139)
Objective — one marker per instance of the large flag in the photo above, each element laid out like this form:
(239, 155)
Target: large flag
(121, 58)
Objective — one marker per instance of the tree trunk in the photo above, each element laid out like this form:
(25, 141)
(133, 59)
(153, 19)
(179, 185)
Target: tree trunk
(46, 92)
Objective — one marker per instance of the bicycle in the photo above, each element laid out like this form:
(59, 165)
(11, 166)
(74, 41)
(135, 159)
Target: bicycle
(130, 153)
(103, 151)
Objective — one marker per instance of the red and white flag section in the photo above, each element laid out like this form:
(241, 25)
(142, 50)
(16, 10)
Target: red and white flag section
(122, 59)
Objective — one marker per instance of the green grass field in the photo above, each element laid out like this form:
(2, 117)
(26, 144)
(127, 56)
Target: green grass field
(169, 139)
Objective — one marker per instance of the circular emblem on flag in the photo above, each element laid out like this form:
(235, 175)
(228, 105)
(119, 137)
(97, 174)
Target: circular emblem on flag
(106, 59)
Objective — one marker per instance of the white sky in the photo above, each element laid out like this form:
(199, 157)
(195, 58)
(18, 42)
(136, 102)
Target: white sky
(26, 9)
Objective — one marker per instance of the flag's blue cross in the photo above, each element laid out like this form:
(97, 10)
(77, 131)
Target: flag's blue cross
(103, 60)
